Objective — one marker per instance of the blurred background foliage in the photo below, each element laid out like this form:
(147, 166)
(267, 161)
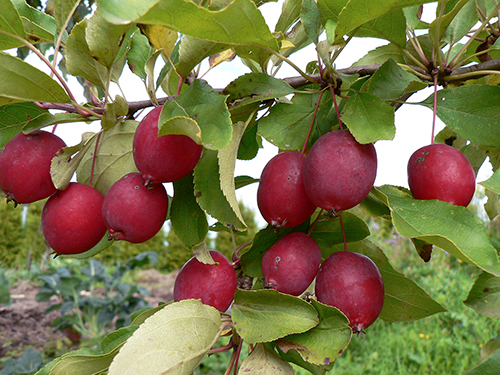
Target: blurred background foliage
(22, 242)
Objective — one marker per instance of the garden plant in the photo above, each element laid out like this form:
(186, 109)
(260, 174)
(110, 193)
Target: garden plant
(329, 116)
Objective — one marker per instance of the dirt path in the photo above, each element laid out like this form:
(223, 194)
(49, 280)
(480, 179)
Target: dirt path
(24, 322)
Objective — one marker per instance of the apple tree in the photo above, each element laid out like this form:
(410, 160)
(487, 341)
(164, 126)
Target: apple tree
(164, 42)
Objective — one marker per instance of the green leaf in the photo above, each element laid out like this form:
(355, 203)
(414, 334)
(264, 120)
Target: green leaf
(103, 244)
(461, 23)
(23, 82)
(324, 343)
(287, 125)
(404, 300)
(64, 164)
(381, 54)
(104, 39)
(264, 361)
(240, 23)
(472, 111)
(493, 183)
(46, 370)
(138, 55)
(14, 117)
(359, 12)
(390, 81)
(211, 198)
(63, 11)
(290, 12)
(209, 110)
(455, 24)
(390, 25)
(113, 159)
(174, 120)
(256, 87)
(38, 25)
(188, 219)
(310, 18)
(124, 12)
(452, 228)
(193, 50)
(117, 338)
(489, 363)
(266, 315)
(328, 233)
(175, 339)
(79, 61)
(369, 118)
(10, 22)
(114, 111)
(484, 297)
(227, 162)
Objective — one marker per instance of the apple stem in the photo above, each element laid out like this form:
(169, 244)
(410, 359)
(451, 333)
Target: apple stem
(336, 106)
(179, 86)
(314, 223)
(234, 357)
(94, 158)
(434, 108)
(342, 228)
(304, 148)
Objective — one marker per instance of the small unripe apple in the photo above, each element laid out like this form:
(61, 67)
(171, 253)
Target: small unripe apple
(281, 196)
(339, 171)
(215, 284)
(163, 159)
(439, 171)
(25, 166)
(72, 220)
(133, 211)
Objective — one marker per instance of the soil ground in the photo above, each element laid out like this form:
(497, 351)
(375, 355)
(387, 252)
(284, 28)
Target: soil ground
(24, 322)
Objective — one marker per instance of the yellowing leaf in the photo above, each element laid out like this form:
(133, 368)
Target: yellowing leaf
(172, 341)
(227, 55)
(263, 361)
(160, 37)
(286, 44)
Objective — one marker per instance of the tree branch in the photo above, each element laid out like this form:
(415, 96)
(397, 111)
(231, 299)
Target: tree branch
(363, 70)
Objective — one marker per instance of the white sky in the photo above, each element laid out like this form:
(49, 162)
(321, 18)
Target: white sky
(413, 123)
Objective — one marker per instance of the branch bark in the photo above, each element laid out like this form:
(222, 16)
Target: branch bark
(296, 82)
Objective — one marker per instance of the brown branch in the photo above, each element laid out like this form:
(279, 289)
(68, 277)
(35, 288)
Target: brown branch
(296, 82)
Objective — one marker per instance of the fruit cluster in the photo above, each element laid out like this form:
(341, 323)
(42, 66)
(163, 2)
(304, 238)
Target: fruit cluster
(336, 175)
(75, 219)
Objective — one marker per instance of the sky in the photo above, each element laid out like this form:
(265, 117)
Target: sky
(413, 122)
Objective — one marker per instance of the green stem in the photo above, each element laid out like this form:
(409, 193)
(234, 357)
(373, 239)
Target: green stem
(459, 77)
(312, 123)
(434, 109)
(455, 61)
(280, 56)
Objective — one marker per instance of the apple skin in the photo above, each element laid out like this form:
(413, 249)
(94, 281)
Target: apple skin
(214, 284)
(291, 264)
(281, 196)
(72, 221)
(339, 172)
(163, 159)
(25, 166)
(132, 211)
(439, 171)
(352, 283)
